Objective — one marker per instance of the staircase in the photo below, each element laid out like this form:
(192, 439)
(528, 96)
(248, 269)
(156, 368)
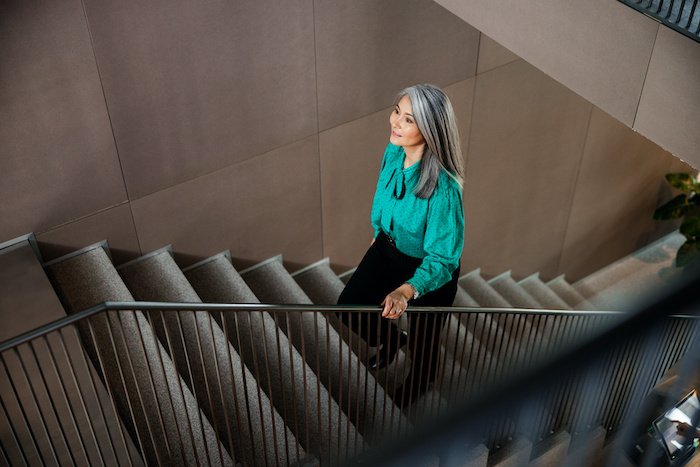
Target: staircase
(266, 387)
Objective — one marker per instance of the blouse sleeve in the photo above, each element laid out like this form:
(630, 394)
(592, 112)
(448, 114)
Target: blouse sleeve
(443, 241)
(376, 214)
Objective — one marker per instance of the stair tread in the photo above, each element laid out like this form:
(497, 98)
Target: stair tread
(320, 283)
(505, 285)
(551, 452)
(631, 279)
(89, 279)
(569, 294)
(156, 277)
(217, 281)
(481, 291)
(515, 454)
(542, 293)
(323, 348)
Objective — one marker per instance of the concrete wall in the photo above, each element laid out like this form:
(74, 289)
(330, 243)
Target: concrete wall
(259, 126)
(637, 70)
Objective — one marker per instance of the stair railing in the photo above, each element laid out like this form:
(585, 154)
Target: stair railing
(639, 342)
(65, 387)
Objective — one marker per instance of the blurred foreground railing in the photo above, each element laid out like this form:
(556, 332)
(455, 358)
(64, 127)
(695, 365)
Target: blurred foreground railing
(611, 378)
(129, 383)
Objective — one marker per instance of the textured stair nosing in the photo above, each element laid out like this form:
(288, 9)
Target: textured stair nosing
(325, 260)
(533, 285)
(267, 261)
(101, 244)
(166, 249)
(303, 330)
(509, 289)
(157, 277)
(224, 254)
(91, 278)
(569, 294)
(279, 382)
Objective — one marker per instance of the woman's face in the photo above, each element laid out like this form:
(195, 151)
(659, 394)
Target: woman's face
(404, 131)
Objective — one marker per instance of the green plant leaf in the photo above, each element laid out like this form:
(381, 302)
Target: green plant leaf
(674, 209)
(691, 228)
(688, 253)
(683, 181)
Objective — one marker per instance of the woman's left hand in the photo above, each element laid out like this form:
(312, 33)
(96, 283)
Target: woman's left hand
(396, 302)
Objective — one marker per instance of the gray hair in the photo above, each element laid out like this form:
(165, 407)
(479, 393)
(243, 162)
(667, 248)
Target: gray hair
(437, 123)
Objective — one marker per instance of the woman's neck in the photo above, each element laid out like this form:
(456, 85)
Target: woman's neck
(413, 154)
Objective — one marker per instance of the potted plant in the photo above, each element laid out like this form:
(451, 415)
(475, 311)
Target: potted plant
(685, 206)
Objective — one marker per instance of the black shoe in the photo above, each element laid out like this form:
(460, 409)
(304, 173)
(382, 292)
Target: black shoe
(387, 353)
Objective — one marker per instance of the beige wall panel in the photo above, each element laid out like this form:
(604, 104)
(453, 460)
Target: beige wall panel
(369, 50)
(267, 205)
(193, 87)
(492, 55)
(618, 188)
(526, 143)
(350, 159)
(669, 111)
(115, 225)
(580, 44)
(58, 161)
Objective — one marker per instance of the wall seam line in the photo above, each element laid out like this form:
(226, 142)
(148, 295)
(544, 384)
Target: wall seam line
(565, 234)
(646, 74)
(109, 118)
(318, 131)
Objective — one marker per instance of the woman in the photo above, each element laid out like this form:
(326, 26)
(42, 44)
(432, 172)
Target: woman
(418, 225)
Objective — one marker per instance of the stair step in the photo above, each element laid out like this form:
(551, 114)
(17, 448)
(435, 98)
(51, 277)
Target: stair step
(286, 378)
(462, 298)
(226, 389)
(274, 283)
(633, 278)
(465, 360)
(569, 294)
(475, 457)
(165, 407)
(515, 454)
(27, 299)
(323, 287)
(320, 283)
(481, 291)
(508, 332)
(338, 368)
(551, 452)
(543, 294)
(505, 285)
(53, 368)
(586, 447)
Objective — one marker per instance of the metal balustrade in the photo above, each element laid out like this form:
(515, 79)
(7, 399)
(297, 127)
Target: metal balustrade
(681, 15)
(74, 392)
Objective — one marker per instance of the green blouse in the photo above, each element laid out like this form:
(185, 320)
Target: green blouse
(431, 229)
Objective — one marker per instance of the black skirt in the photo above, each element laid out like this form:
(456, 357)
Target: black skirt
(382, 270)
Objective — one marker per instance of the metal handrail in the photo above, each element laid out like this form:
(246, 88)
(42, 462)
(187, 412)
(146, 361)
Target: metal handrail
(149, 358)
(242, 307)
